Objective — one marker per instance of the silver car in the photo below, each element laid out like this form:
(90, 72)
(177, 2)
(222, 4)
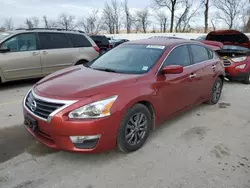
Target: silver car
(36, 53)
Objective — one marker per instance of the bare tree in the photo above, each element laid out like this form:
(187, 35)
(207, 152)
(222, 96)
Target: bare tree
(143, 18)
(92, 24)
(213, 24)
(32, 22)
(247, 26)
(129, 19)
(45, 20)
(108, 18)
(35, 21)
(184, 19)
(111, 16)
(137, 25)
(49, 23)
(66, 21)
(162, 19)
(8, 24)
(116, 12)
(229, 10)
(53, 24)
(206, 5)
(172, 6)
(29, 23)
(246, 20)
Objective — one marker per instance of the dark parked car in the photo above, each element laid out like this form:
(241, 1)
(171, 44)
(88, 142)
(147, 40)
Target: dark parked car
(116, 42)
(123, 95)
(235, 53)
(102, 42)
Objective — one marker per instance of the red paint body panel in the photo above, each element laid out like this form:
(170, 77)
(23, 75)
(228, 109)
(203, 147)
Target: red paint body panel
(214, 45)
(235, 72)
(168, 94)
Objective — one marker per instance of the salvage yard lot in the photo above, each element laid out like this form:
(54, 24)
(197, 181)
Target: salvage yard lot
(208, 146)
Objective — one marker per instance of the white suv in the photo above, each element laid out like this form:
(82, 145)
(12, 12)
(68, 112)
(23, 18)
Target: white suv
(38, 52)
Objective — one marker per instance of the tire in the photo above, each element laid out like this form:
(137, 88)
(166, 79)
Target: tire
(102, 51)
(216, 92)
(82, 62)
(247, 79)
(132, 136)
(230, 78)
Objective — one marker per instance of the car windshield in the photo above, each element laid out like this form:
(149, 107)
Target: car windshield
(129, 59)
(235, 48)
(4, 35)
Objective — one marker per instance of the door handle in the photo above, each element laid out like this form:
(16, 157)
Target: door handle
(45, 52)
(35, 53)
(213, 66)
(192, 75)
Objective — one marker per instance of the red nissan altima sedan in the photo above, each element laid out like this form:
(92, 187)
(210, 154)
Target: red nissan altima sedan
(117, 99)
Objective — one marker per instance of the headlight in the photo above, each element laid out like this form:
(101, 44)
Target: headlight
(94, 110)
(241, 66)
(238, 59)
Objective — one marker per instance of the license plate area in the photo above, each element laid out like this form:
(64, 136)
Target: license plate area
(31, 123)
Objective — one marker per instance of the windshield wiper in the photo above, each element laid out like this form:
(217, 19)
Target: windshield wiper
(106, 70)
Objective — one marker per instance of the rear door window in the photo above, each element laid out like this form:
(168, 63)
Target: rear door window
(199, 53)
(102, 40)
(54, 41)
(179, 56)
(79, 40)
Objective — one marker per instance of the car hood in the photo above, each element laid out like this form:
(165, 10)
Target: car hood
(229, 37)
(80, 82)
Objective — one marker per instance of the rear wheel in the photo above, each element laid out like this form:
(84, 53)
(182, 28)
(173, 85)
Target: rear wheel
(216, 92)
(102, 51)
(247, 79)
(134, 128)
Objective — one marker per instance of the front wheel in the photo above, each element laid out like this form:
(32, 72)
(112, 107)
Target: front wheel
(216, 92)
(247, 79)
(134, 128)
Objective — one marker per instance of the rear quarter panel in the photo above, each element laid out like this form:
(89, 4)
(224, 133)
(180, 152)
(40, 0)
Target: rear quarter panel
(86, 53)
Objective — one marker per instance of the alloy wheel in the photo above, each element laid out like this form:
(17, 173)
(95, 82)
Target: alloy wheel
(217, 91)
(136, 128)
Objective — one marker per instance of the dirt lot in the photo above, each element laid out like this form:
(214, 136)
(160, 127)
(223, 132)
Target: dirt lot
(205, 147)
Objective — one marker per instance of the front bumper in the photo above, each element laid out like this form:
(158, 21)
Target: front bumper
(236, 74)
(56, 134)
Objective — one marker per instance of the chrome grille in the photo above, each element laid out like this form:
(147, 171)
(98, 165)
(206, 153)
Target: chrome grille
(40, 107)
(226, 62)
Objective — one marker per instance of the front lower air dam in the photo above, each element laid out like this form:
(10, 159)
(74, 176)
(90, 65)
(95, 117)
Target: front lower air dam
(85, 142)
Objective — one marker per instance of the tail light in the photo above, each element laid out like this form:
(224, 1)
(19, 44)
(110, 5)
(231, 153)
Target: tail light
(96, 48)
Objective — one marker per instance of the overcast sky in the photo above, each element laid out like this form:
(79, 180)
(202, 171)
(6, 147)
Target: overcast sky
(21, 9)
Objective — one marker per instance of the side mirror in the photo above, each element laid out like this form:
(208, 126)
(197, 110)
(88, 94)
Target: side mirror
(172, 69)
(4, 50)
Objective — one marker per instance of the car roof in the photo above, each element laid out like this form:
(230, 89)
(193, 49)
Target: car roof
(162, 41)
(18, 31)
(97, 35)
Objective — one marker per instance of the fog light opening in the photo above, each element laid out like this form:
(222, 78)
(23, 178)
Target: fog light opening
(81, 139)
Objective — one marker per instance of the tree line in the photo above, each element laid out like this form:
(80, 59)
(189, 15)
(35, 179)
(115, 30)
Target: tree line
(117, 15)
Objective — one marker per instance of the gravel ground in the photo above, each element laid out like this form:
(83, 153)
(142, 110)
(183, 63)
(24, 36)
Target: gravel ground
(205, 147)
